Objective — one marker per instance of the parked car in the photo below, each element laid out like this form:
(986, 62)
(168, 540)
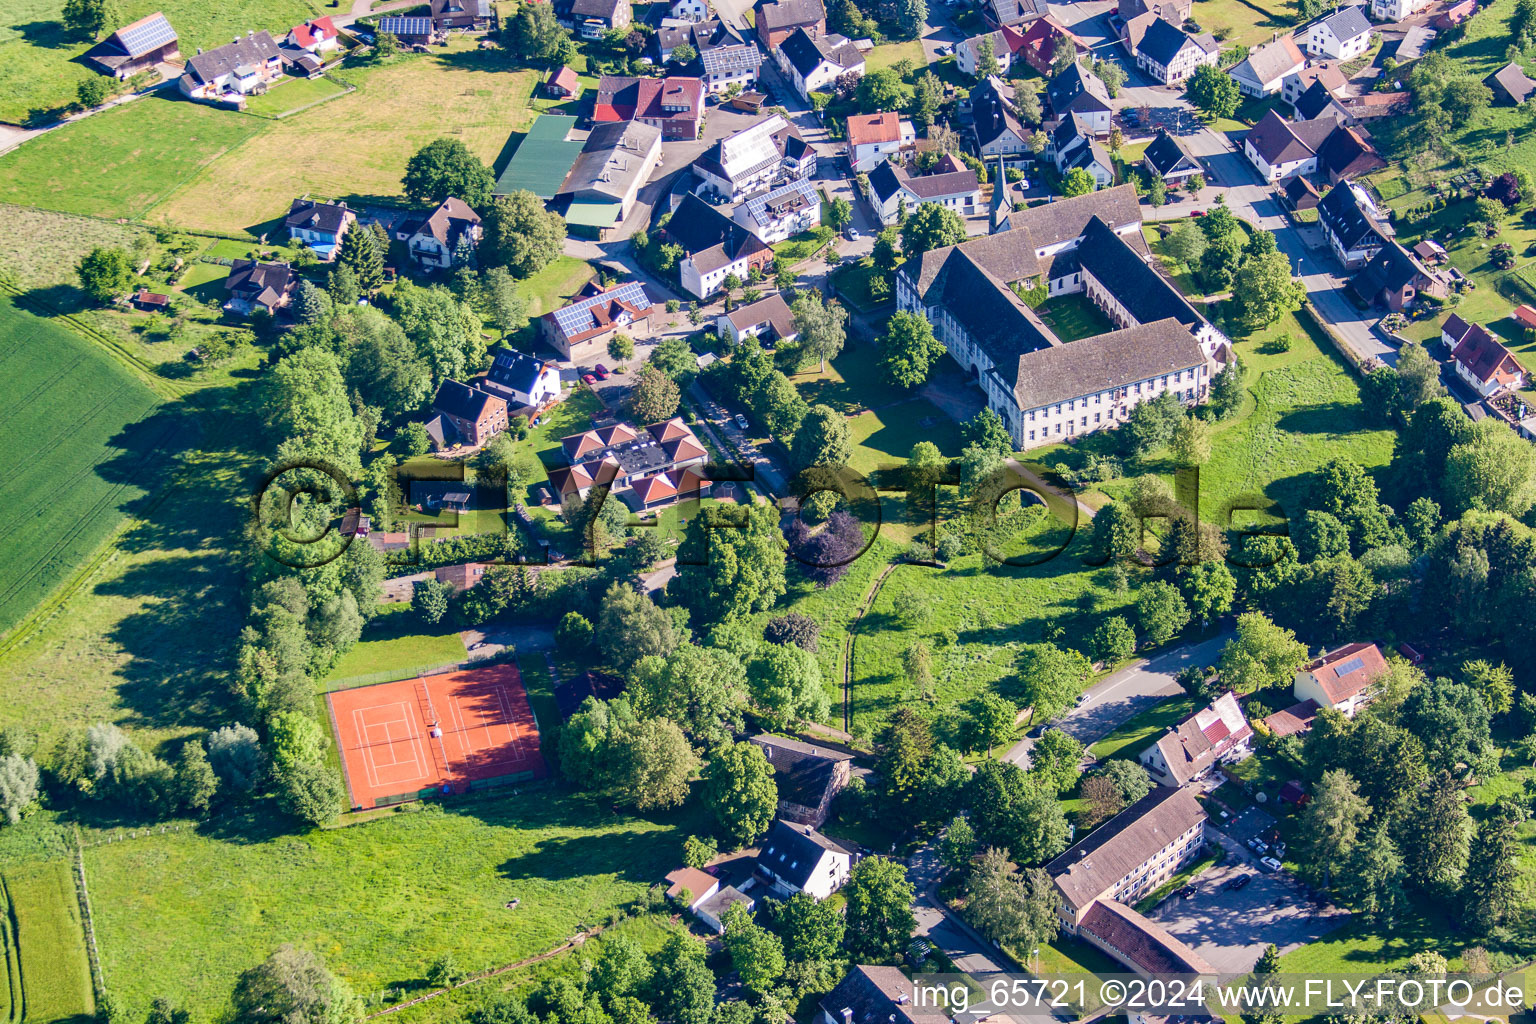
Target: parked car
(741, 421)
(601, 371)
(853, 233)
(1082, 699)
(588, 379)
(1239, 881)
(1186, 892)
(1197, 213)
(1270, 863)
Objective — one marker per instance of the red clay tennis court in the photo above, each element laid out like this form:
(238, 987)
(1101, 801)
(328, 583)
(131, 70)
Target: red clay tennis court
(417, 737)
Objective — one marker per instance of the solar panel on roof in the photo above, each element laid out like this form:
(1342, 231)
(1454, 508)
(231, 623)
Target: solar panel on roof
(406, 26)
(1352, 665)
(577, 317)
(151, 34)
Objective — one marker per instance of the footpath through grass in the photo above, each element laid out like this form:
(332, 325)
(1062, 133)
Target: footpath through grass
(186, 912)
(55, 974)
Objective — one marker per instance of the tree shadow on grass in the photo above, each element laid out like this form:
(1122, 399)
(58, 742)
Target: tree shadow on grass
(48, 34)
(56, 299)
(1330, 419)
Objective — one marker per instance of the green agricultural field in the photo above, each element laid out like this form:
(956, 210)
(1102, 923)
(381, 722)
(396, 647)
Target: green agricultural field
(38, 70)
(78, 430)
(40, 248)
(55, 974)
(122, 162)
(187, 912)
(396, 640)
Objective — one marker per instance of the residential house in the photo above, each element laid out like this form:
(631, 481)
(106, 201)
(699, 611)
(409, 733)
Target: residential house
(135, 47)
(658, 465)
(701, 35)
(1073, 147)
(1168, 158)
(1079, 91)
(1129, 855)
(874, 137)
(1263, 71)
(1013, 13)
(776, 22)
(252, 286)
(1341, 35)
(783, 212)
(724, 67)
(462, 14)
(1318, 102)
(474, 416)
(796, 858)
(755, 158)
(1511, 86)
(1354, 227)
(1279, 149)
(673, 104)
(1170, 55)
(319, 225)
(768, 318)
(688, 887)
(1176, 11)
(604, 182)
(563, 84)
(147, 301)
(1433, 254)
(1004, 42)
(1043, 390)
(412, 31)
(590, 19)
(523, 380)
(711, 912)
(1481, 359)
(875, 995)
(1298, 82)
(1396, 10)
(1395, 278)
(438, 241)
(892, 190)
(581, 330)
(317, 36)
(1038, 42)
(998, 130)
(1342, 679)
(812, 62)
(808, 777)
(714, 247)
(690, 10)
(1141, 944)
(571, 694)
(1213, 735)
(229, 73)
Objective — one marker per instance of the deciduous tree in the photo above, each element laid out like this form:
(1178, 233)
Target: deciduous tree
(740, 791)
(446, 168)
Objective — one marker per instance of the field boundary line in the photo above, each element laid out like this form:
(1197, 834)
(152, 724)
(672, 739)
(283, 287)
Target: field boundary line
(12, 928)
(98, 980)
(345, 89)
(853, 629)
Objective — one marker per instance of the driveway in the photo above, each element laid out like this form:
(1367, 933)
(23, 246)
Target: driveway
(1124, 694)
(971, 953)
(1231, 929)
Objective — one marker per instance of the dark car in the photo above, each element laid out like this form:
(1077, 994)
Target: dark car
(1239, 881)
(1186, 892)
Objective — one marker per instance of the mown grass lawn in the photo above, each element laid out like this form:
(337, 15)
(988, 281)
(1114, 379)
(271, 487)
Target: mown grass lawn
(1130, 739)
(1074, 317)
(38, 70)
(884, 437)
(804, 245)
(55, 975)
(121, 162)
(292, 94)
(187, 912)
(396, 640)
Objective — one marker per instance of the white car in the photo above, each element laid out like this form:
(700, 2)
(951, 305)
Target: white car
(1270, 863)
(853, 234)
(741, 421)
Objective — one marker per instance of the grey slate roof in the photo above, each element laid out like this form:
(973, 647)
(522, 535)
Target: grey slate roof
(1510, 84)
(1077, 91)
(877, 995)
(792, 852)
(1318, 100)
(992, 110)
(805, 52)
(1146, 294)
(789, 12)
(708, 236)
(1390, 269)
(1347, 22)
(516, 370)
(256, 48)
(1167, 154)
(1163, 41)
(318, 216)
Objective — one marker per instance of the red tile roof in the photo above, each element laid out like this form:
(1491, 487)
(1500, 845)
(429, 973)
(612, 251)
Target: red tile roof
(312, 32)
(1143, 943)
(655, 488)
(564, 78)
(657, 99)
(1295, 719)
(1347, 672)
(868, 129)
(1526, 315)
(1485, 358)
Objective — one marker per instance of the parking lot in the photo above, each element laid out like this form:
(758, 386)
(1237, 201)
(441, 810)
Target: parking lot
(1231, 928)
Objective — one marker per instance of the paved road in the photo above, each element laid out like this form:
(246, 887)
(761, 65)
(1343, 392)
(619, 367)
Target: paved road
(1126, 693)
(971, 953)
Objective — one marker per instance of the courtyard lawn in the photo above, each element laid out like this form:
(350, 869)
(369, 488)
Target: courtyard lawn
(1130, 739)
(804, 245)
(186, 912)
(396, 644)
(1359, 947)
(852, 383)
(551, 287)
(55, 975)
(355, 147)
(38, 70)
(542, 448)
(852, 283)
(293, 95)
(884, 437)
(121, 162)
(888, 54)
(1073, 317)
